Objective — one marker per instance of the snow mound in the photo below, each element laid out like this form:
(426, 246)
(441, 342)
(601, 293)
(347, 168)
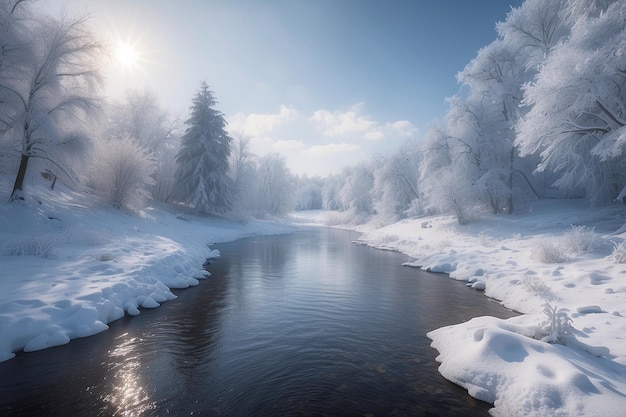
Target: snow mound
(501, 363)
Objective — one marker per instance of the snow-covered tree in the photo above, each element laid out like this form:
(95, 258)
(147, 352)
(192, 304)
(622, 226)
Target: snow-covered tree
(476, 140)
(140, 116)
(309, 193)
(202, 175)
(395, 184)
(242, 172)
(356, 193)
(54, 93)
(122, 171)
(15, 53)
(578, 108)
(274, 186)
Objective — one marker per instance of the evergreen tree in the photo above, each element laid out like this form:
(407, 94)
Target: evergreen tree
(202, 173)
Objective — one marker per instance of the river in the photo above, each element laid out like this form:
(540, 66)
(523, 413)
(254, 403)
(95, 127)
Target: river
(307, 324)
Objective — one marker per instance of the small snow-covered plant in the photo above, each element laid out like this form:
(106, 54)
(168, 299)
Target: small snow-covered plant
(483, 238)
(581, 239)
(548, 252)
(536, 285)
(558, 326)
(38, 246)
(105, 257)
(619, 252)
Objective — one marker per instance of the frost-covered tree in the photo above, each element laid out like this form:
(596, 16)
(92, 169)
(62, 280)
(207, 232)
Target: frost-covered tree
(442, 190)
(53, 92)
(536, 27)
(395, 184)
(476, 141)
(202, 175)
(242, 172)
(140, 116)
(309, 193)
(274, 186)
(330, 192)
(15, 54)
(578, 107)
(356, 193)
(122, 171)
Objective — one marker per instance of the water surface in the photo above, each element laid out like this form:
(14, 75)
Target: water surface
(307, 324)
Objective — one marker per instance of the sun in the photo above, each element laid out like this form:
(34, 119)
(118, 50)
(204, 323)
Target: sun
(126, 55)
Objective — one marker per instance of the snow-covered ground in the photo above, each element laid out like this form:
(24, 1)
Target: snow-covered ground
(69, 266)
(510, 363)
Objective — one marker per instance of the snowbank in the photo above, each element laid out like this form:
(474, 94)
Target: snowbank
(68, 266)
(562, 255)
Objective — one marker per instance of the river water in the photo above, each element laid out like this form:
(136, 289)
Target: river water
(307, 324)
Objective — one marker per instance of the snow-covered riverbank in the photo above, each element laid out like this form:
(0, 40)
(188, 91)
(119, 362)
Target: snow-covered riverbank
(556, 254)
(68, 266)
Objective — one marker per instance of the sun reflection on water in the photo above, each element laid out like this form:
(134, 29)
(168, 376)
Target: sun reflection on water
(127, 395)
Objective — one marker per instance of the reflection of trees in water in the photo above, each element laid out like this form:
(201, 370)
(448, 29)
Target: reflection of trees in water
(191, 334)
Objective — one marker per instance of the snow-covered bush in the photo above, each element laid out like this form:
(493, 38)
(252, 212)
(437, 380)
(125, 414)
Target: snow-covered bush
(42, 247)
(548, 252)
(105, 257)
(484, 239)
(557, 328)
(581, 239)
(536, 285)
(619, 252)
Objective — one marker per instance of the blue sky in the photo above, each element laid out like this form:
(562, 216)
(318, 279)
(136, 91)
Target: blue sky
(324, 82)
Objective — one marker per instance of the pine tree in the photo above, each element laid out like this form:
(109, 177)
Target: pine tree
(202, 173)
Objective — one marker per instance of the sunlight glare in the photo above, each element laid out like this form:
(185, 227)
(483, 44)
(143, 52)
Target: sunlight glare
(127, 55)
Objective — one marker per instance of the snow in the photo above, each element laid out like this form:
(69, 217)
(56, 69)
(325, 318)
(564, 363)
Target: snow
(510, 363)
(69, 265)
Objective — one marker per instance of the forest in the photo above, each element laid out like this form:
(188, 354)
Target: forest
(540, 114)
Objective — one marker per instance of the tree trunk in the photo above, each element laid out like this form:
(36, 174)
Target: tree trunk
(17, 193)
(509, 204)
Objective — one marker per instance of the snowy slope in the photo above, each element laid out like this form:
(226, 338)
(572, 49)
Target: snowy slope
(69, 266)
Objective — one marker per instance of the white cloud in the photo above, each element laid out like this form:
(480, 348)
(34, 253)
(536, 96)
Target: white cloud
(330, 149)
(338, 123)
(376, 134)
(287, 145)
(257, 124)
(402, 128)
(352, 123)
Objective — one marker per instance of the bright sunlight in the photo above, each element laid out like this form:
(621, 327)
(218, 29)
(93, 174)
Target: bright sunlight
(127, 55)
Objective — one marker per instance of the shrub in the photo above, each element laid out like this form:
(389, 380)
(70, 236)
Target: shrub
(558, 326)
(548, 252)
(619, 252)
(42, 247)
(581, 239)
(536, 285)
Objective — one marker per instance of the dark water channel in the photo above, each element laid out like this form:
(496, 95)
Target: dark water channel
(300, 325)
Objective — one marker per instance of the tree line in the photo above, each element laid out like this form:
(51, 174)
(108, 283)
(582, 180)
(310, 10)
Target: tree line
(541, 114)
